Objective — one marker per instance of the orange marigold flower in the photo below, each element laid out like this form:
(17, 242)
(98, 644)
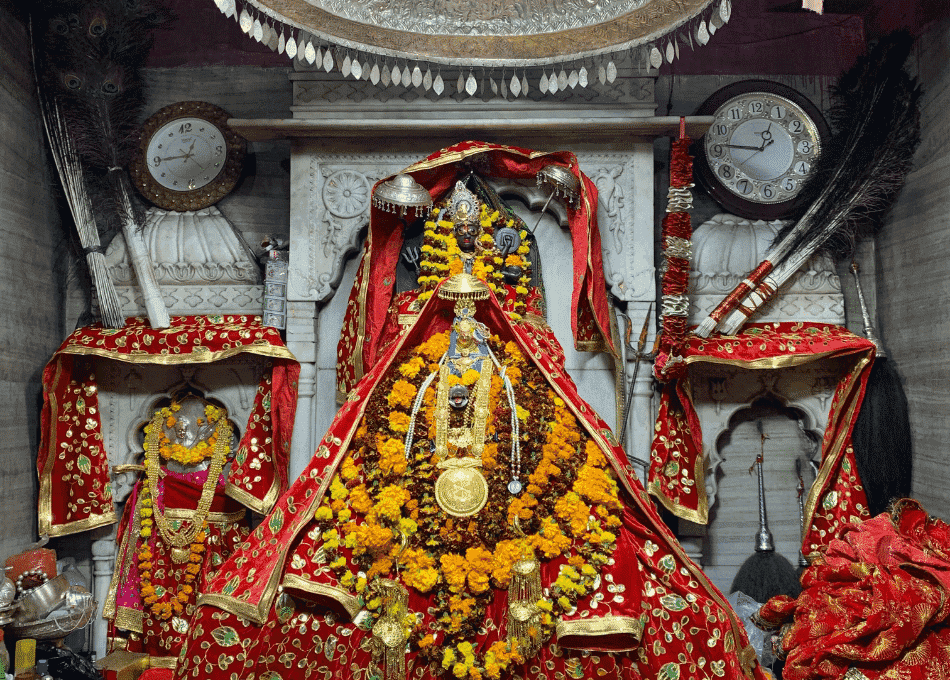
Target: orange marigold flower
(399, 421)
(360, 499)
(454, 570)
(402, 394)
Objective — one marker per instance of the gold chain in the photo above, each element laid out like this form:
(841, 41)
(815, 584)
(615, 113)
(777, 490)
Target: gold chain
(479, 398)
(180, 538)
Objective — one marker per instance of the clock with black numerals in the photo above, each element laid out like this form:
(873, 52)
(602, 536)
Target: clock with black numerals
(761, 148)
(188, 158)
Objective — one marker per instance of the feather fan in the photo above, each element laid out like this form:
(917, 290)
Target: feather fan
(87, 57)
(857, 177)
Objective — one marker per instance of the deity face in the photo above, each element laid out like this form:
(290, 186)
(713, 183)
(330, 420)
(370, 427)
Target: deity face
(183, 431)
(458, 397)
(466, 231)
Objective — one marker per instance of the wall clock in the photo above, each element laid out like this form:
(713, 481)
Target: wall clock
(760, 149)
(188, 158)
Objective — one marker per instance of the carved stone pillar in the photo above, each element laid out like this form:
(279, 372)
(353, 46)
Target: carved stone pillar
(103, 563)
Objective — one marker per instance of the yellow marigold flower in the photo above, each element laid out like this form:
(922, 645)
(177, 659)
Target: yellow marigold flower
(411, 368)
(522, 413)
(448, 657)
(337, 490)
(521, 290)
(460, 670)
(398, 421)
(390, 502)
(323, 514)
(408, 526)
(454, 571)
(564, 603)
(338, 563)
(348, 580)
(435, 346)
(470, 377)
(504, 556)
(402, 394)
(360, 499)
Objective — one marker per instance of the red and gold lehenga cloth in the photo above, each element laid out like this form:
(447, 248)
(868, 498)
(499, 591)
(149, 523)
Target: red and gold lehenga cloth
(367, 326)
(875, 605)
(73, 465)
(279, 607)
(676, 461)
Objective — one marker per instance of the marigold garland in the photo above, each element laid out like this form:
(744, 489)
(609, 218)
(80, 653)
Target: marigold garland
(380, 514)
(161, 602)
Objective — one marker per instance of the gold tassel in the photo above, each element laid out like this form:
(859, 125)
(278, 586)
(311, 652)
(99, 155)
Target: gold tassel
(523, 612)
(389, 632)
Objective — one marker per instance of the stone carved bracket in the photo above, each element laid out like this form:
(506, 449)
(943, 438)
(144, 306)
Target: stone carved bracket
(335, 190)
(330, 206)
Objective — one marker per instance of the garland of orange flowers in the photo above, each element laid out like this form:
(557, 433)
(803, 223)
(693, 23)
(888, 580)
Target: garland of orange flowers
(160, 602)
(380, 514)
(441, 258)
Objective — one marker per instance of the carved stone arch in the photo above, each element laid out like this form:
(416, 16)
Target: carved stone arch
(533, 197)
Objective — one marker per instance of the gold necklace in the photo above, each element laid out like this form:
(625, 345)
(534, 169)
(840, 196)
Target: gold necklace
(180, 540)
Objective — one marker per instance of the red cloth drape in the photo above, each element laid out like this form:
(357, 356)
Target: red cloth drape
(72, 463)
(676, 459)
(365, 328)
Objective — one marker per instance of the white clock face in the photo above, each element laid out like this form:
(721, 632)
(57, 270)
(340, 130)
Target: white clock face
(186, 154)
(762, 147)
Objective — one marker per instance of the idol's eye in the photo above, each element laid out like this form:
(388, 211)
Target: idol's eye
(98, 26)
(109, 87)
(72, 81)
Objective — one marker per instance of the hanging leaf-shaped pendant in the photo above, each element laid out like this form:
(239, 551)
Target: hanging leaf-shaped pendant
(582, 77)
(310, 53)
(515, 86)
(374, 75)
(406, 76)
(281, 43)
(385, 75)
(543, 85)
(602, 74)
(656, 59)
(258, 30)
(291, 47)
(572, 79)
(611, 71)
(416, 76)
(438, 85)
(345, 70)
(460, 85)
(725, 11)
(702, 35)
(397, 75)
(328, 60)
(670, 54)
(246, 22)
(427, 79)
(494, 86)
(524, 83)
(356, 69)
(503, 86)
(471, 85)
(562, 80)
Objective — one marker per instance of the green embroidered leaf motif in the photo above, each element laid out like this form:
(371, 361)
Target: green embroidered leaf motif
(84, 464)
(241, 455)
(226, 636)
(668, 564)
(670, 671)
(81, 405)
(231, 586)
(284, 607)
(107, 491)
(270, 675)
(266, 403)
(160, 591)
(673, 603)
(276, 520)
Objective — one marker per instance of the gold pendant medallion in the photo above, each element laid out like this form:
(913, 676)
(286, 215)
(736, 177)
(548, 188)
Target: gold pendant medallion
(180, 555)
(461, 491)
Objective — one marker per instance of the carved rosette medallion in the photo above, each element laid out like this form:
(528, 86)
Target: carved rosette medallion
(346, 194)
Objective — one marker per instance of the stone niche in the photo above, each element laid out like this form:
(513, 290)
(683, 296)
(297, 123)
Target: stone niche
(789, 405)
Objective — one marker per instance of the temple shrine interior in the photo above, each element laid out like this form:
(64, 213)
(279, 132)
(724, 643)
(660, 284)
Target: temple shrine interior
(460, 339)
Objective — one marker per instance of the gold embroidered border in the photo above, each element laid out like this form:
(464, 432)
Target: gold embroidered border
(830, 458)
(79, 525)
(169, 662)
(126, 556)
(199, 357)
(128, 619)
(245, 498)
(587, 630)
(347, 601)
(213, 517)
